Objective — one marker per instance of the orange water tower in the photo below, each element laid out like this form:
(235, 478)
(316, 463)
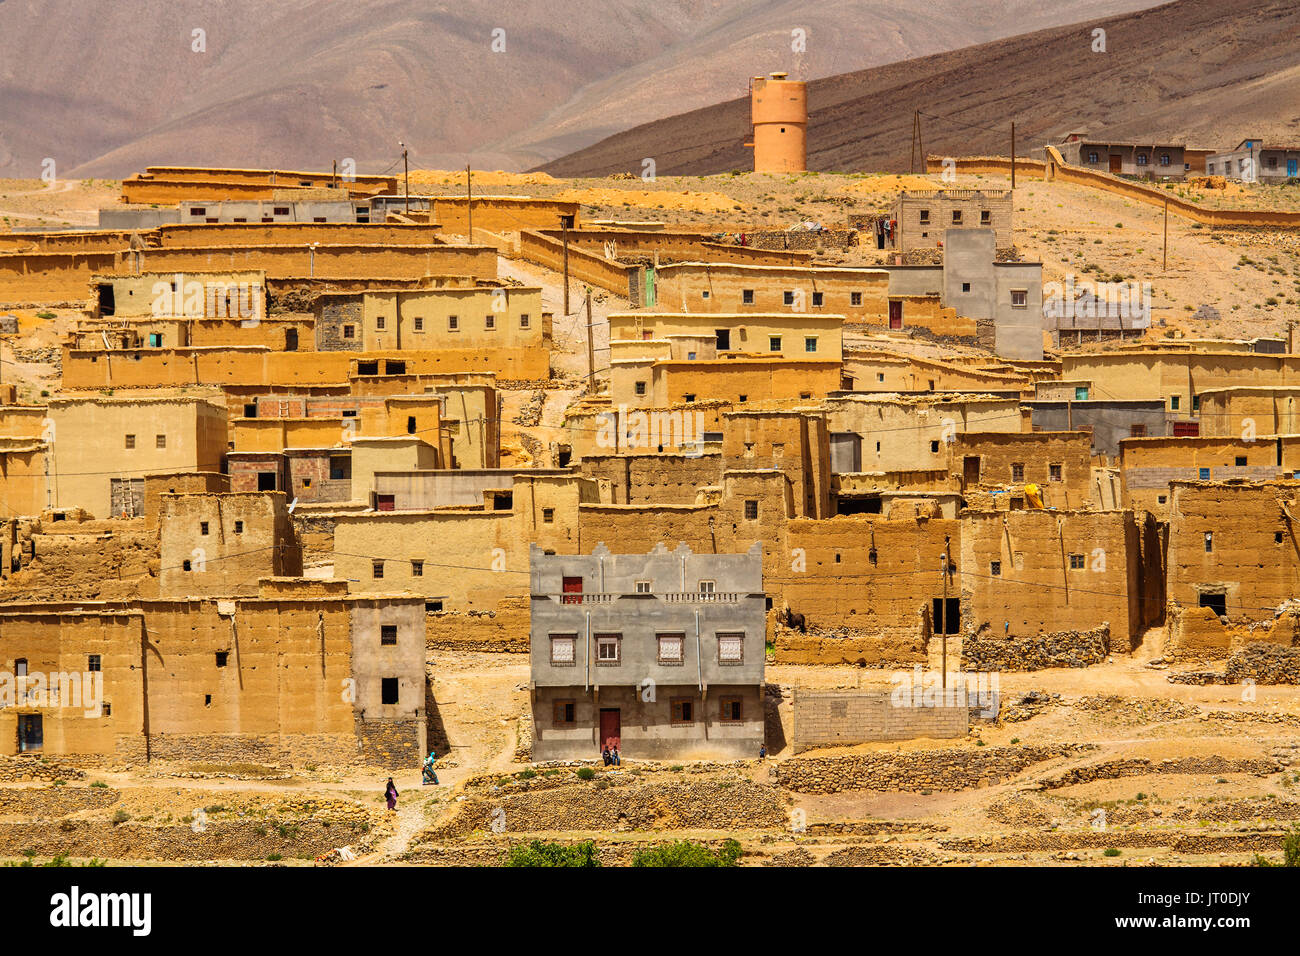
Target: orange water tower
(779, 108)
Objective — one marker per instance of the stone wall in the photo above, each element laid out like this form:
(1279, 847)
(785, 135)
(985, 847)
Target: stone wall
(844, 717)
(987, 652)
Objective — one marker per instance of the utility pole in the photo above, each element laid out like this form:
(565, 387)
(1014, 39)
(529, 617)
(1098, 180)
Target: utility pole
(591, 350)
(564, 222)
(334, 176)
(944, 615)
(469, 202)
(406, 168)
(1013, 155)
(1164, 264)
(916, 118)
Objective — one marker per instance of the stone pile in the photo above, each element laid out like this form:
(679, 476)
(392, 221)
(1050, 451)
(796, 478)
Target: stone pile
(987, 652)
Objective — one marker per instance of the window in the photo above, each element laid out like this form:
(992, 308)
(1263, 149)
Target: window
(1076, 562)
(130, 441)
(1081, 393)
(417, 569)
(388, 634)
(731, 710)
(683, 710)
(525, 320)
(388, 690)
(223, 658)
(105, 709)
(985, 217)
(1054, 472)
(203, 527)
(239, 527)
(565, 713)
(925, 217)
(160, 441)
(377, 569)
(1174, 402)
(1241, 461)
(639, 388)
(643, 587)
(1209, 541)
(562, 647)
(1162, 498)
(1204, 474)
(609, 648)
(670, 648)
(489, 322)
(199, 211)
(995, 568)
(956, 217)
(453, 323)
(1137, 431)
(1164, 159)
(965, 287)
(855, 298)
(704, 294)
(280, 210)
(706, 587)
(419, 324)
(688, 397)
(774, 343)
(751, 510)
(747, 296)
(380, 322)
(817, 299)
(810, 343)
(1017, 471)
(731, 648)
(934, 448)
(185, 566)
(880, 376)
(788, 298)
(349, 331)
(1019, 298)
(548, 516)
(1093, 157)
(1143, 159)
(93, 663)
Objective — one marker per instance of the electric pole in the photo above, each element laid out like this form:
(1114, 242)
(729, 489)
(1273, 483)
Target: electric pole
(406, 168)
(1164, 264)
(591, 350)
(943, 616)
(564, 222)
(469, 203)
(1013, 155)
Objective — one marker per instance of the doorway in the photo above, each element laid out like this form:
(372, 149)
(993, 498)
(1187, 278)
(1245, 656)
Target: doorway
(1116, 163)
(572, 590)
(971, 470)
(946, 615)
(723, 339)
(611, 726)
(31, 732)
(895, 315)
(1216, 602)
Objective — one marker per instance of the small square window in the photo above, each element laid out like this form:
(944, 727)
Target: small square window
(1174, 402)
(639, 388)
(377, 569)
(1019, 298)
(751, 510)
(995, 568)
(564, 713)
(548, 516)
(855, 298)
(670, 648)
(1209, 541)
(965, 287)
(105, 709)
(747, 296)
(934, 448)
(419, 323)
(704, 294)
(130, 441)
(349, 331)
(388, 634)
(239, 527)
(1241, 461)
(774, 343)
(388, 690)
(453, 323)
(1054, 472)
(489, 322)
(1204, 474)
(93, 663)
(609, 648)
(380, 322)
(203, 527)
(417, 569)
(788, 297)
(644, 587)
(223, 658)
(524, 320)
(731, 710)
(810, 344)
(562, 648)
(985, 217)
(817, 298)
(731, 648)
(1076, 562)
(956, 217)
(683, 710)
(1017, 471)
(925, 217)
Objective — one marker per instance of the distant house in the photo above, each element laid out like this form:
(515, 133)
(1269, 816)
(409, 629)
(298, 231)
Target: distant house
(924, 215)
(660, 653)
(1153, 161)
(1252, 161)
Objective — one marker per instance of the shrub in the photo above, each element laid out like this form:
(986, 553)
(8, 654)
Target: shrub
(1110, 851)
(526, 774)
(586, 773)
(98, 783)
(686, 853)
(538, 853)
(121, 817)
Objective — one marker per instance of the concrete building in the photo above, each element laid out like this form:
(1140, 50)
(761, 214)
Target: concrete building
(1255, 161)
(660, 653)
(922, 216)
(1109, 421)
(1152, 161)
(779, 110)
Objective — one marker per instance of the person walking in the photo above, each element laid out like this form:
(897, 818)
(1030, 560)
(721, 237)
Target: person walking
(427, 773)
(390, 794)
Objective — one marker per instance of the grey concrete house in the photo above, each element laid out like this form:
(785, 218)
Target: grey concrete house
(1253, 161)
(1004, 298)
(1109, 420)
(662, 653)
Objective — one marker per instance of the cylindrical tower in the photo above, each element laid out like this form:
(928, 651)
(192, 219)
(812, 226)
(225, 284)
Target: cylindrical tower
(779, 108)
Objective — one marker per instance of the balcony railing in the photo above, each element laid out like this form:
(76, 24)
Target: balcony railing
(670, 597)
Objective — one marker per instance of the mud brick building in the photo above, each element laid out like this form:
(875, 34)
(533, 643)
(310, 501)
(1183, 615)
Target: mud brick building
(662, 653)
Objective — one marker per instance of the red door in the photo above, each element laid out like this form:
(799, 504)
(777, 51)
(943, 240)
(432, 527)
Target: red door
(895, 315)
(572, 586)
(610, 726)
(384, 502)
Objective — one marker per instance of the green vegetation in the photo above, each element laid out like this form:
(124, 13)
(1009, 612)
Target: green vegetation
(57, 861)
(538, 853)
(586, 773)
(1111, 851)
(686, 853)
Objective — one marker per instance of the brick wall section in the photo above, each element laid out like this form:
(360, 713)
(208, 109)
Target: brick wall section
(853, 717)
